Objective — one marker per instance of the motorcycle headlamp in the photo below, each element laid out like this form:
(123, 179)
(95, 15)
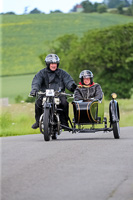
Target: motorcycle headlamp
(57, 101)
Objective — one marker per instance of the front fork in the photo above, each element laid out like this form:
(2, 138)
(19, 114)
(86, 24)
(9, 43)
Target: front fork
(50, 105)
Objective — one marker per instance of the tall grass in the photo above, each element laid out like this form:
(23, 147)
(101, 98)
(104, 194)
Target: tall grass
(18, 118)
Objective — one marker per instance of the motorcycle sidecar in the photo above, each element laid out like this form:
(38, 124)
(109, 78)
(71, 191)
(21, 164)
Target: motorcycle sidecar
(91, 112)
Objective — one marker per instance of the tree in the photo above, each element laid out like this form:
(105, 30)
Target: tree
(63, 47)
(35, 11)
(73, 9)
(9, 13)
(115, 3)
(88, 6)
(108, 53)
(129, 11)
(56, 11)
(102, 8)
(120, 9)
(95, 6)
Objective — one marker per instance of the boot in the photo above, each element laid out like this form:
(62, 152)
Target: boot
(35, 125)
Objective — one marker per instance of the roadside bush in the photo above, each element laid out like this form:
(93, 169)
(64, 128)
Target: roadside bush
(102, 8)
(18, 99)
(129, 11)
(30, 99)
(120, 9)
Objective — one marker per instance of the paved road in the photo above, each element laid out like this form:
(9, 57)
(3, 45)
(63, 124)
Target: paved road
(74, 167)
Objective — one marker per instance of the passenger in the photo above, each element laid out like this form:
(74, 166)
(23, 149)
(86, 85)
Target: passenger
(87, 88)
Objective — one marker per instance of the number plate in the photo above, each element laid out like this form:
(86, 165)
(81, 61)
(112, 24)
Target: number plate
(50, 93)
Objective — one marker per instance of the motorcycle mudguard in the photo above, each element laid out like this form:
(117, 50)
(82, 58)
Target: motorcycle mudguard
(114, 111)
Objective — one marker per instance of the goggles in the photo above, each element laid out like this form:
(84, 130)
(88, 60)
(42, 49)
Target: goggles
(86, 76)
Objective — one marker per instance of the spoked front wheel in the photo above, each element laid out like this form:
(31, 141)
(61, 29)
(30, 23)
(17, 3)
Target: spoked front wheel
(116, 130)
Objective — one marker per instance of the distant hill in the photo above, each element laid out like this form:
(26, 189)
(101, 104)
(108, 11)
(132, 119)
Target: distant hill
(25, 37)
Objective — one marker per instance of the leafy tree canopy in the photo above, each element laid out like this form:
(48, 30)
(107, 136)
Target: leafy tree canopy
(102, 8)
(9, 13)
(35, 11)
(88, 6)
(116, 3)
(108, 53)
(56, 11)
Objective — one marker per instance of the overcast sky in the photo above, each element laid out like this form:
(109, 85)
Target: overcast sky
(18, 6)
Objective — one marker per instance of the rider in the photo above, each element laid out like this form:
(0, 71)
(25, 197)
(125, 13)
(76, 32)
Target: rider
(87, 88)
(52, 77)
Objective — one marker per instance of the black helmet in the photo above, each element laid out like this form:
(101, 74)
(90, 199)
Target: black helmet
(86, 74)
(52, 58)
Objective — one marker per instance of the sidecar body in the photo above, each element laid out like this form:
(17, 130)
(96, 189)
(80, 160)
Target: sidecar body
(91, 112)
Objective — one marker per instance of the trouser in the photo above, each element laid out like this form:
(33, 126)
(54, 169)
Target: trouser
(63, 114)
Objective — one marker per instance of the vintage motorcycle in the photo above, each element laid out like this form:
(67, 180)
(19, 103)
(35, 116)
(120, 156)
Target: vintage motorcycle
(49, 123)
(85, 113)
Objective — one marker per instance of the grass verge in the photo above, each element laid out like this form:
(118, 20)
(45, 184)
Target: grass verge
(16, 119)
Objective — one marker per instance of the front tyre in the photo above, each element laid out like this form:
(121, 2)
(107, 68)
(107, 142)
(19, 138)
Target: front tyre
(46, 123)
(116, 130)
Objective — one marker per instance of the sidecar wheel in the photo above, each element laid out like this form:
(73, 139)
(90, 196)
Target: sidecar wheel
(116, 130)
(46, 123)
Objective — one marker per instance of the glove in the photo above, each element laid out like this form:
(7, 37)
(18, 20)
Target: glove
(73, 87)
(33, 93)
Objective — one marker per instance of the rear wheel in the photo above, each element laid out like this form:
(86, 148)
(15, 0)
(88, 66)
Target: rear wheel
(54, 137)
(116, 130)
(57, 130)
(46, 123)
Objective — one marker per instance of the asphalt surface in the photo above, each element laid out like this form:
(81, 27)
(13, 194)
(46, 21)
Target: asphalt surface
(74, 167)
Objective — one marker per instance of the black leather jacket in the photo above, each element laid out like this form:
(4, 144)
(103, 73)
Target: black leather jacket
(83, 92)
(47, 79)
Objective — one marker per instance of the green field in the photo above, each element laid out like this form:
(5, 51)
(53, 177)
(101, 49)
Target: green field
(13, 86)
(25, 37)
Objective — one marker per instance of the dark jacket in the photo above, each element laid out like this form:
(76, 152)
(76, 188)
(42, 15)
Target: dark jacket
(84, 92)
(47, 79)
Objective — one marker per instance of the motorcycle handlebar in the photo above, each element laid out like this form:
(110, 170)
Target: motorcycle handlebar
(41, 93)
(56, 93)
